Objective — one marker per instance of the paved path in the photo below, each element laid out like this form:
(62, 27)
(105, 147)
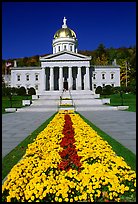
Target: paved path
(120, 125)
(17, 126)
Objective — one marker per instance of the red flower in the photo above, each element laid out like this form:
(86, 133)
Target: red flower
(69, 153)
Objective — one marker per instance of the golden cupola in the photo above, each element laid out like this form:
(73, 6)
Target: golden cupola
(64, 39)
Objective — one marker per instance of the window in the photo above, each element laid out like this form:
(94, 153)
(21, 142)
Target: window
(65, 47)
(71, 48)
(103, 76)
(18, 86)
(36, 77)
(58, 48)
(94, 76)
(18, 78)
(36, 86)
(112, 76)
(94, 86)
(112, 85)
(27, 77)
(103, 85)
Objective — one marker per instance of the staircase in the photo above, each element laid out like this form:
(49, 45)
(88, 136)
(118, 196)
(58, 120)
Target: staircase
(81, 100)
(86, 100)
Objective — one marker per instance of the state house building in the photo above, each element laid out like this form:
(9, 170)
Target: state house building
(65, 68)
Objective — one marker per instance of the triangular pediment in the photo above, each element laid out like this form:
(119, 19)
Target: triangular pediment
(65, 55)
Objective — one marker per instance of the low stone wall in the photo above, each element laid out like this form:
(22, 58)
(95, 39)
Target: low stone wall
(10, 110)
(26, 102)
(122, 107)
(106, 100)
(35, 97)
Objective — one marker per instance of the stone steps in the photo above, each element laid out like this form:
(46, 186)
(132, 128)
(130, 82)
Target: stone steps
(82, 100)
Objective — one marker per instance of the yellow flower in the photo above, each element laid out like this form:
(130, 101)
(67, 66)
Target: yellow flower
(127, 188)
(60, 199)
(56, 199)
(66, 199)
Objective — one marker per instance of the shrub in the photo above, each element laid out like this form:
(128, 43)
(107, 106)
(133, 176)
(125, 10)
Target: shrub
(21, 91)
(98, 90)
(14, 90)
(107, 90)
(31, 91)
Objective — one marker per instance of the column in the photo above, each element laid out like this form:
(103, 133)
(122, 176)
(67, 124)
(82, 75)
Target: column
(70, 79)
(60, 78)
(79, 80)
(51, 78)
(87, 79)
(43, 83)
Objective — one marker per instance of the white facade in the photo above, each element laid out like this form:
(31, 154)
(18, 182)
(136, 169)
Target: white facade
(106, 75)
(65, 68)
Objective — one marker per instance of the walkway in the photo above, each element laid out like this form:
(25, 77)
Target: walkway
(120, 125)
(17, 126)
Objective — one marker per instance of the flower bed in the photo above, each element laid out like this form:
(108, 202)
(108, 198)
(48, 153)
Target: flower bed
(68, 161)
(66, 105)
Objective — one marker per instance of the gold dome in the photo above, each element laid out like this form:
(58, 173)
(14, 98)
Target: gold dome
(65, 32)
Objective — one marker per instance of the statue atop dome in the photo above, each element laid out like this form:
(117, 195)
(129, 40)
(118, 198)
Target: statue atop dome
(64, 23)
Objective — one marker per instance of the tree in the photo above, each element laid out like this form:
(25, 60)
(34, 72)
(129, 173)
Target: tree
(107, 90)
(101, 50)
(22, 91)
(98, 90)
(7, 91)
(31, 91)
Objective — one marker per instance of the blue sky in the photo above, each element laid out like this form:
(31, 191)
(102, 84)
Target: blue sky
(28, 27)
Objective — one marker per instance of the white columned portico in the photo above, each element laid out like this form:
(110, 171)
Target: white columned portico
(79, 81)
(51, 78)
(87, 79)
(70, 78)
(60, 78)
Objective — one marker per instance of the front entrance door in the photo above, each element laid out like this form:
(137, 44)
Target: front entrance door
(65, 85)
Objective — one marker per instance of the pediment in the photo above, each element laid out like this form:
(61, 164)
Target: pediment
(66, 55)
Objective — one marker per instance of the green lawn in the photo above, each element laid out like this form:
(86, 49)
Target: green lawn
(127, 100)
(16, 102)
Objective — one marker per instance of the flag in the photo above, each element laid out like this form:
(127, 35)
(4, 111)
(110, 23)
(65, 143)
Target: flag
(8, 64)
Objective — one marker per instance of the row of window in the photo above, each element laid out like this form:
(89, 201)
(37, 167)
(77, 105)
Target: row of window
(103, 76)
(95, 86)
(27, 77)
(65, 48)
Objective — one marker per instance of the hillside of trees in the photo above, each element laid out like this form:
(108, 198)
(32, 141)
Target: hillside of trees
(100, 56)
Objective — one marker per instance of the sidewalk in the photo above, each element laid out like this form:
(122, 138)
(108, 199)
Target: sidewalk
(17, 126)
(120, 125)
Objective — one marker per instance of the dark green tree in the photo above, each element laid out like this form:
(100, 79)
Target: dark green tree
(98, 90)
(31, 91)
(22, 91)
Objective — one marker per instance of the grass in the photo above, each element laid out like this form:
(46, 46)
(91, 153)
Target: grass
(120, 150)
(16, 154)
(16, 102)
(127, 100)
